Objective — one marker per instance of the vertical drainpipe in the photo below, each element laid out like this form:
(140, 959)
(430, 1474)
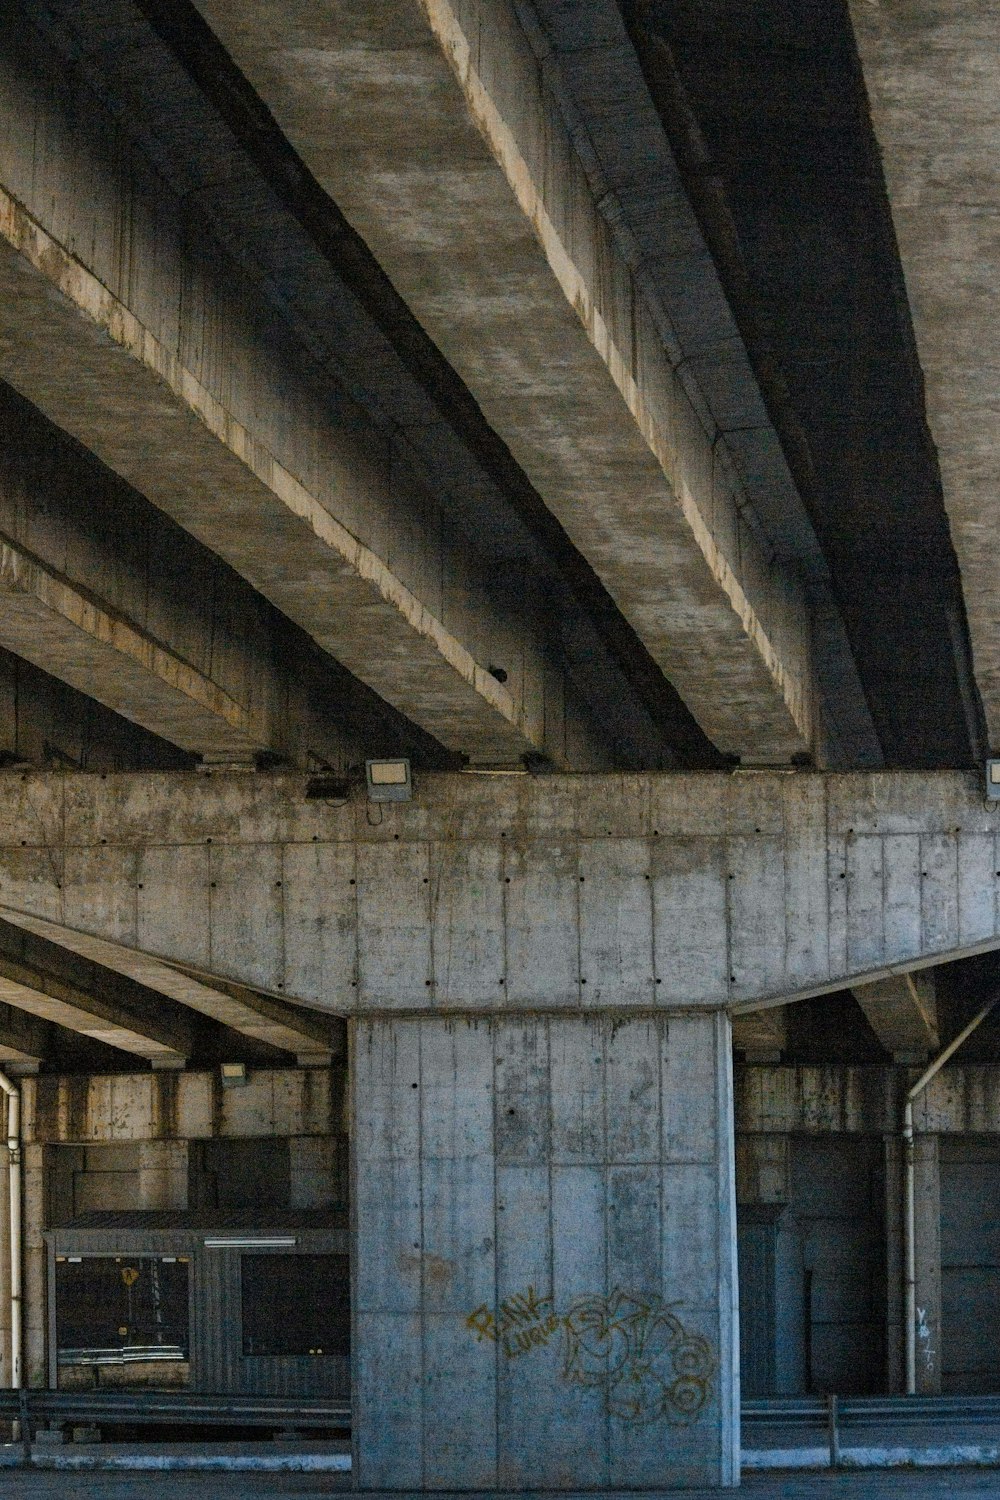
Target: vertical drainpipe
(909, 1209)
(14, 1204)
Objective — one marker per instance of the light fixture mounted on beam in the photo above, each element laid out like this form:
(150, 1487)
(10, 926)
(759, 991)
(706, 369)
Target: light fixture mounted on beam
(993, 780)
(389, 780)
(251, 1242)
(233, 1075)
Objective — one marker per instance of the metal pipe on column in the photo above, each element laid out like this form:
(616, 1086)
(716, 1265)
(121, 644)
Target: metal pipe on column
(909, 1205)
(13, 1094)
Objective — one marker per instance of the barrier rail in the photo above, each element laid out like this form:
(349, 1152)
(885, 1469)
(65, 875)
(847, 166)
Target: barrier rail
(835, 1420)
(782, 1411)
(31, 1408)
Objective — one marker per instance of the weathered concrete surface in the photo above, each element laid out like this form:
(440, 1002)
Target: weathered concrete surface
(488, 893)
(774, 1106)
(47, 724)
(262, 1017)
(65, 1109)
(932, 85)
(72, 636)
(761, 1035)
(168, 363)
(478, 207)
(103, 592)
(902, 1012)
(544, 1278)
(24, 1040)
(963, 1099)
(49, 999)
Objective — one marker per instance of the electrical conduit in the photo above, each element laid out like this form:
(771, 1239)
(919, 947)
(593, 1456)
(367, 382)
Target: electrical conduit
(14, 1205)
(909, 1211)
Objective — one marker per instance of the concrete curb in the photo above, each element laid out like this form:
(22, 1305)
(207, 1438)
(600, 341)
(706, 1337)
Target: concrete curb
(11, 1457)
(943, 1456)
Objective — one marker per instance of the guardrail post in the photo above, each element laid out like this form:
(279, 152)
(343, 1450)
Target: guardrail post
(832, 1430)
(25, 1425)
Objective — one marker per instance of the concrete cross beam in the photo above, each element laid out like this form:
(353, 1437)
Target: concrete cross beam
(902, 1012)
(489, 893)
(478, 207)
(49, 999)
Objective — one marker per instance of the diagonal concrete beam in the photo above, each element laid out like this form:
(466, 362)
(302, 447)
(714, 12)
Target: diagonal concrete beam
(761, 1035)
(40, 995)
(547, 326)
(49, 622)
(24, 1039)
(288, 1027)
(902, 1012)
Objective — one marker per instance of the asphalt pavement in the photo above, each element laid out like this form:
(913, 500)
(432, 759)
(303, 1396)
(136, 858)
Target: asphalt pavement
(913, 1485)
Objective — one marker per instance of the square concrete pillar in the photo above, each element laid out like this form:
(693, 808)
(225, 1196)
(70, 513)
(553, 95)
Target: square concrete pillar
(927, 1255)
(927, 1264)
(544, 1253)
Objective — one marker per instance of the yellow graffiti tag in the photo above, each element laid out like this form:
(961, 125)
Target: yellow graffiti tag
(524, 1321)
(631, 1346)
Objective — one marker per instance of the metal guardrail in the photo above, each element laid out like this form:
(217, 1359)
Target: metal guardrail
(813, 1411)
(828, 1417)
(31, 1408)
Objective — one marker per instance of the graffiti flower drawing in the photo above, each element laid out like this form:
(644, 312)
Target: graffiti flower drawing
(637, 1350)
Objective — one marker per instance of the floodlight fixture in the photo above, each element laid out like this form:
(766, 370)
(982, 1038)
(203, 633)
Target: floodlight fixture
(389, 780)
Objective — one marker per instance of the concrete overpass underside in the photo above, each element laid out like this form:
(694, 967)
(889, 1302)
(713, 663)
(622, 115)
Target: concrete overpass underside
(534, 393)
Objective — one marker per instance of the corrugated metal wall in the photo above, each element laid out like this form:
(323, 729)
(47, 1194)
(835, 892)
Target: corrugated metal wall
(218, 1364)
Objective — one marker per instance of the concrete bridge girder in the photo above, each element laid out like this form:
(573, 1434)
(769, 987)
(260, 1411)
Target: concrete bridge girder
(76, 1009)
(345, 539)
(104, 593)
(305, 543)
(24, 1039)
(902, 1011)
(652, 505)
(938, 139)
(48, 622)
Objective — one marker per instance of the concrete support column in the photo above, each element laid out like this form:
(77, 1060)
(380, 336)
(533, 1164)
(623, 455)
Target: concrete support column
(544, 1267)
(35, 1350)
(927, 1246)
(894, 1295)
(927, 1253)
